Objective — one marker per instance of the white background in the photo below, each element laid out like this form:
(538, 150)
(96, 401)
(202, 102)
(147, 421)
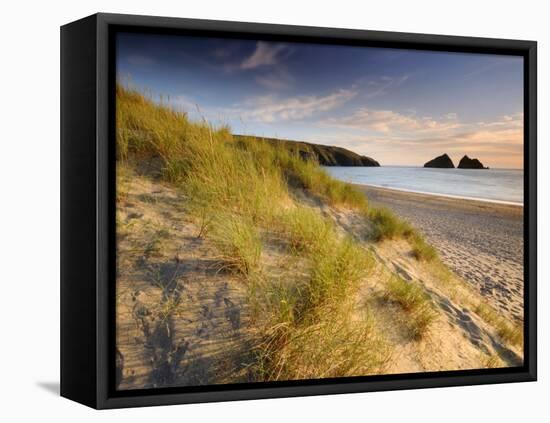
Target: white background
(29, 223)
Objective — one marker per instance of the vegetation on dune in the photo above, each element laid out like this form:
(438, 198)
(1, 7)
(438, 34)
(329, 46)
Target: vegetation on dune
(305, 230)
(388, 226)
(414, 300)
(239, 243)
(327, 348)
(242, 192)
(421, 250)
(311, 331)
(336, 270)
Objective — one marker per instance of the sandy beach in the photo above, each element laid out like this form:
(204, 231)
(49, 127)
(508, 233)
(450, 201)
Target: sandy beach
(481, 241)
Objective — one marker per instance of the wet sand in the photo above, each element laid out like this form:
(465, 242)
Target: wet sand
(481, 241)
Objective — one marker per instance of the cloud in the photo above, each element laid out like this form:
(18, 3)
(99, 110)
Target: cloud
(265, 54)
(508, 121)
(388, 121)
(375, 88)
(264, 109)
(269, 109)
(485, 68)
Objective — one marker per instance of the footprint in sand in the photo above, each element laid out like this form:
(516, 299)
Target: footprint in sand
(402, 272)
(232, 313)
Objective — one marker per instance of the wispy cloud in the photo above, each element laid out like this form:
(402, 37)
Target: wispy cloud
(388, 120)
(265, 54)
(381, 86)
(485, 68)
(264, 109)
(269, 109)
(272, 108)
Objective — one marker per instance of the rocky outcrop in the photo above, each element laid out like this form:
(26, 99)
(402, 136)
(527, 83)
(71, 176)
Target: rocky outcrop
(467, 163)
(326, 155)
(443, 161)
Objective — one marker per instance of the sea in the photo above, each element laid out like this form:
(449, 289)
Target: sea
(493, 185)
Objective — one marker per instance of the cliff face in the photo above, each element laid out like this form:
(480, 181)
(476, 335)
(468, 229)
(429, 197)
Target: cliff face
(324, 154)
(443, 161)
(467, 163)
(338, 156)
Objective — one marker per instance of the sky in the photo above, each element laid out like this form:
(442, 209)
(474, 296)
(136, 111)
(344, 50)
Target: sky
(400, 107)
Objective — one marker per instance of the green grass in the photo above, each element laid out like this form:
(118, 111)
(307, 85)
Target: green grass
(309, 330)
(336, 271)
(421, 250)
(412, 298)
(239, 243)
(304, 229)
(328, 348)
(334, 192)
(387, 225)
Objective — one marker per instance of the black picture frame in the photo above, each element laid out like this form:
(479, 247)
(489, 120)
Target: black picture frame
(87, 211)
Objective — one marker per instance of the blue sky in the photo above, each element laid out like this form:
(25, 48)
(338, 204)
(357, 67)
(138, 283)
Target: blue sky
(401, 107)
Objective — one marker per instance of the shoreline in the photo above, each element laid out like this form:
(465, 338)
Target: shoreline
(480, 241)
(433, 194)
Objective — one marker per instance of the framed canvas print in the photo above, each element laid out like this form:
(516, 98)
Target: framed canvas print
(255, 211)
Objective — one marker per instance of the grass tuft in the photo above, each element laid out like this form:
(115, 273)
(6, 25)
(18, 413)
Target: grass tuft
(239, 243)
(421, 250)
(328, 348)
(412, 298)
(335, 273)
(388, 225)
(305, 230)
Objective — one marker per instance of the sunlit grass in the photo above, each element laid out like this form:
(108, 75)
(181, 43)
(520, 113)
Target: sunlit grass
(239, 243)
(387, 225)
(413, 299)
(421, 250)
